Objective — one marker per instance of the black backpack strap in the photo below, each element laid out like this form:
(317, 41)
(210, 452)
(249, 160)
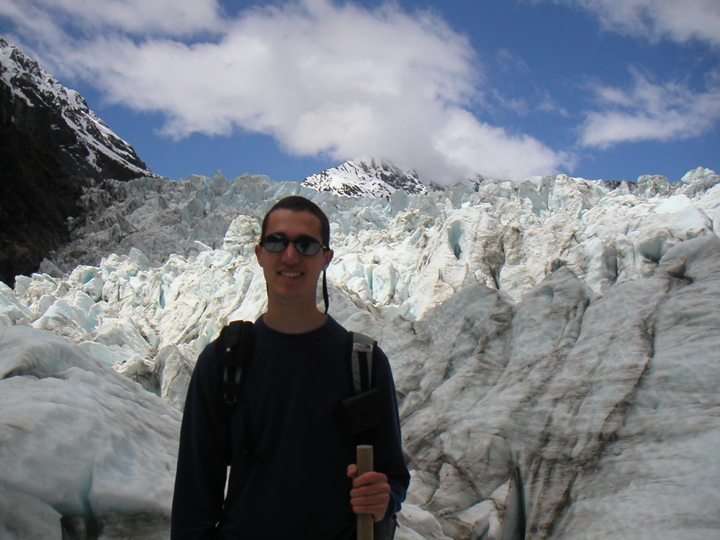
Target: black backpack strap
(236, 342)
(362, 411)
(362, 355)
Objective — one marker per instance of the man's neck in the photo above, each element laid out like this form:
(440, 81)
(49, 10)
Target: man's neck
(292, 321)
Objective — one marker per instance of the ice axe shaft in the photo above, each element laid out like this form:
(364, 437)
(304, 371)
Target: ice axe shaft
(364, 465)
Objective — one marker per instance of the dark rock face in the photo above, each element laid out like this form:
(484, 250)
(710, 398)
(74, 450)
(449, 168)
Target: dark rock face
(51, 148)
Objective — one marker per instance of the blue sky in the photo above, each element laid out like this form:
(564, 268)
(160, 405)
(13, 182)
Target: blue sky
(603, 89)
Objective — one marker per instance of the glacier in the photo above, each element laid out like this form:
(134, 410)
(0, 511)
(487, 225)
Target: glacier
(554, 345)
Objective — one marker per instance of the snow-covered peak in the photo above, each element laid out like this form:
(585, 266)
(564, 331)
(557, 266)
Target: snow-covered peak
(31, 84)
(366, 179)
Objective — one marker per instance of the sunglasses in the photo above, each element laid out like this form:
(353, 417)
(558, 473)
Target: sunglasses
(304, 245)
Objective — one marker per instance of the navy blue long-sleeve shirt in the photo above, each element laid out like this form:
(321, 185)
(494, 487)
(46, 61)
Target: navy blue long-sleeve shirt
(295, 484)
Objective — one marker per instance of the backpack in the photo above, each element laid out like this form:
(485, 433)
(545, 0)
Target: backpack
(359, 413)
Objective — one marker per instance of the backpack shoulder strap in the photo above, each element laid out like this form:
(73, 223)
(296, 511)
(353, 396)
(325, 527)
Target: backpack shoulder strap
(236, 348)
(362, 353)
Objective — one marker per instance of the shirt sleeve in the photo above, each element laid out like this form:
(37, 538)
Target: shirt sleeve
(389, 458)
(201, 469)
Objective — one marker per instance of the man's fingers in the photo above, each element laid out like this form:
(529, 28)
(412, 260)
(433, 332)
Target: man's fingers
(374, 504)
(369, 478)
(370, 493)
(369, 489)
(377, 511)
(370, 500)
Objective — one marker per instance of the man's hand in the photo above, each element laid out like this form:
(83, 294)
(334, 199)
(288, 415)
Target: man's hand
(370, 493)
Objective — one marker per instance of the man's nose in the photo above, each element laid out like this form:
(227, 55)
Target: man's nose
(291, 254)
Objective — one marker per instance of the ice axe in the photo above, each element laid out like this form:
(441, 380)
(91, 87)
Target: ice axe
(364, 465)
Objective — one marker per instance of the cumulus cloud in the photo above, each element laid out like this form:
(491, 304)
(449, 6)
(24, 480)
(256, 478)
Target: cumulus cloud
(168, 17)
(650, 111)
(323, 78)
(677, 20)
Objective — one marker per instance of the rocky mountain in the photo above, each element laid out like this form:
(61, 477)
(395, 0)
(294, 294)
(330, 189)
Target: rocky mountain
(52, 147)
(366, 179)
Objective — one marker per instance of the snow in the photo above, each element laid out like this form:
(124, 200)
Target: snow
(554, 345)
(366, 179)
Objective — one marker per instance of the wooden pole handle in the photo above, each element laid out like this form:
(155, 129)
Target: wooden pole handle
(365, 522)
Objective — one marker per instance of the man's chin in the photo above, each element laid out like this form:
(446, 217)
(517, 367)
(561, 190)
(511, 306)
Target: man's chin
(290, 292)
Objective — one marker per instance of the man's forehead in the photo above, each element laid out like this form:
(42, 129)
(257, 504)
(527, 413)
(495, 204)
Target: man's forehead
(296, 219)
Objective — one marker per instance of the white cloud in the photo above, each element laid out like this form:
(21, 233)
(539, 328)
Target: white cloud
(650, 111)
(677, 20)
(320, 77)
(168, 17)
(475, 146)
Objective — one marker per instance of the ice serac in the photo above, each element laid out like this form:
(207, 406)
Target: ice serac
(83, 446)
(554, 343)
(659, 401)
(52, 147)
(596, 401)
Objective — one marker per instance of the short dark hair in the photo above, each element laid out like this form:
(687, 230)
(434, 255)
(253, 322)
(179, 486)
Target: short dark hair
(297, 203)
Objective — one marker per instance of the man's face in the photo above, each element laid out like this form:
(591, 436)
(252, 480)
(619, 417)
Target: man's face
(291, 276)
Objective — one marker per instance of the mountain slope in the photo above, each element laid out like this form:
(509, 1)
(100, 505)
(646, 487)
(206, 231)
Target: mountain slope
(51, 147)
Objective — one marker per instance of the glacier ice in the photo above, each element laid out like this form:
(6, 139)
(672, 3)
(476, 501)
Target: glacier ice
(554, 344)
(79, 440)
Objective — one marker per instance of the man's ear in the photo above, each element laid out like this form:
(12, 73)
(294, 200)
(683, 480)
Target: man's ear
(258, 251)
(328, 255)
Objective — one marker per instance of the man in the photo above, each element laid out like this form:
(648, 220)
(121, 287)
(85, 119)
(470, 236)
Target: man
(292, 474)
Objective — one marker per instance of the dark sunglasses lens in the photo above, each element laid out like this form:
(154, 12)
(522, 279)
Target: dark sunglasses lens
(307, 246)
(274, 243)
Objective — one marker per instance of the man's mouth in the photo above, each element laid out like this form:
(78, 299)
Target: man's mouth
(290, 274)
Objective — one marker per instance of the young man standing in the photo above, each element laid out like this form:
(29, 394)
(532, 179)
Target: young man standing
(292, 472)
